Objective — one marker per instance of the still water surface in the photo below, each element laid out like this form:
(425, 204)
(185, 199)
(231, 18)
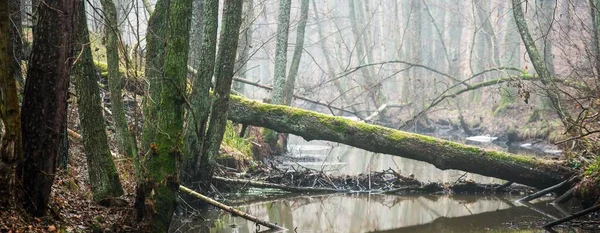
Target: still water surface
(388, 213)
(378, 213)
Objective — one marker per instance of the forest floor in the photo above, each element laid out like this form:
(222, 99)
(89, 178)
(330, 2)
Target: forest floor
(71, 208)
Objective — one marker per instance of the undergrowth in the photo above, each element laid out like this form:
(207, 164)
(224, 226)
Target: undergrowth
(232, 140)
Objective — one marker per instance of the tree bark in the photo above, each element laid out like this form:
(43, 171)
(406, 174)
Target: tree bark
(288, 91)
(163, 164)
(440, 153)
(197, 116)
(103, 174)
(595, 14)
(224, 68)
(283, 26)
(16, 38)
(245, 44)
(115, 80)
(10, 146)
(45, 100)
(196, 29)
(155, 48)
(540, 66)
(417, 82)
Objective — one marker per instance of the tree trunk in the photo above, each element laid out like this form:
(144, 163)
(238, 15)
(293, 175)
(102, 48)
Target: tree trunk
(283, 26)
(163, 164)
(330, 68)
(197, 116)
(115, 80)
(224, 68)
(10, 147)
(155, 48)
(299, 48)
(370, 84)
(245, 44)
(45, 100)
(418, 84)
(101, 168)
(16, 38)
(279, 79)
(595, 13)
(196, 33)
(511, 57)
(550, 87)
(440, 153)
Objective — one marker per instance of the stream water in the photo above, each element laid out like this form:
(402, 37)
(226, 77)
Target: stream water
(384, 213)
(377, 213)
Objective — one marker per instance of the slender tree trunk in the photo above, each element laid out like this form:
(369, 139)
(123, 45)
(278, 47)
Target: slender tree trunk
(544, 12)
(196, 33)
(546, 18)
(330, 68)
(103, 174)
(418, 83)
(370, 84)
(115, 80)
(511, 56)
(45, 99)
(10, 147)
(299, 48)
(538, 63)
(407, 12)
(283, 26)
(279, 79)
(16, 31)
(163, 163)
(455, 35)
(197, 116)
(595, 13)
(224, 68)
(155, 52)
(245, 44)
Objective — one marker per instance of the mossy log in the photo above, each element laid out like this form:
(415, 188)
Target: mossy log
(443, 154)
(133, 82)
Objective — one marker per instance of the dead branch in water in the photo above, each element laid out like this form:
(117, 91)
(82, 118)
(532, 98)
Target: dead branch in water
(230, 209)
(574, 216)
(259, 184)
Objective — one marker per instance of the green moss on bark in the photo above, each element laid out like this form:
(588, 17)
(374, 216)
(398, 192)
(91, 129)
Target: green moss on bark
(115, 80)
(163, 165)
(443, 154)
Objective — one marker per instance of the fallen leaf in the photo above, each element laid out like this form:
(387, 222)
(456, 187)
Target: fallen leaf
(51, 228)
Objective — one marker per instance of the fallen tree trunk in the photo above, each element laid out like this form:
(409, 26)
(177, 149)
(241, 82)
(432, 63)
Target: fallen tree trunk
(443, 154)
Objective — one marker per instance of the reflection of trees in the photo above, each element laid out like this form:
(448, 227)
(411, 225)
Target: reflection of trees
(362, 212)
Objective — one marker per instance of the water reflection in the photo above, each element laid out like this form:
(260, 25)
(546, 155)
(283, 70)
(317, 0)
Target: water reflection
(387, 213)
